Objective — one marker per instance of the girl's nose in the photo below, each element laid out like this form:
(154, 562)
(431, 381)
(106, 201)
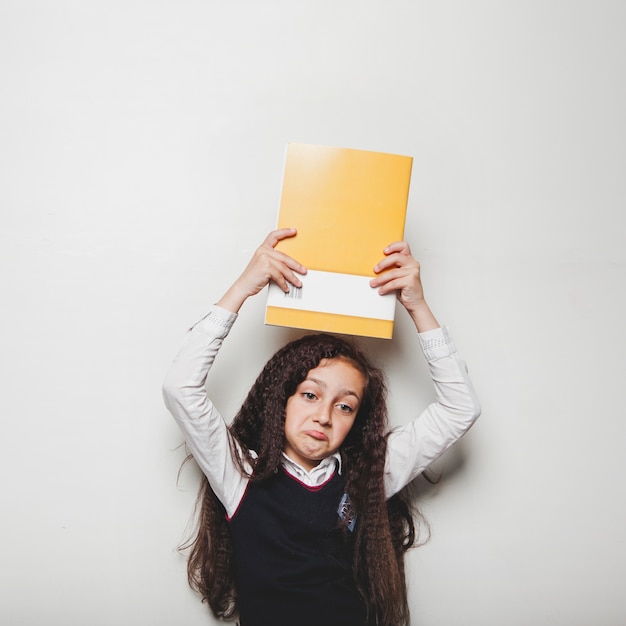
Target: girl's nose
(323, 415)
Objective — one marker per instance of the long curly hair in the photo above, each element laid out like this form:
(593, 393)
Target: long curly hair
(385, 528)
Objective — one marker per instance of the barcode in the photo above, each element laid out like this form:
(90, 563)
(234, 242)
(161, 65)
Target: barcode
(294, 292)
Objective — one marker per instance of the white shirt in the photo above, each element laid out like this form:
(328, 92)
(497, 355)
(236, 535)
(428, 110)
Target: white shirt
(410, 448)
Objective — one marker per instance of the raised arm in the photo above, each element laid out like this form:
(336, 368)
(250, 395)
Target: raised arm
(411, 448)
(184, 390)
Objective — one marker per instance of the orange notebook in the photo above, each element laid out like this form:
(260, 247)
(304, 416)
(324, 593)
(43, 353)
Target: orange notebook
(347, 205)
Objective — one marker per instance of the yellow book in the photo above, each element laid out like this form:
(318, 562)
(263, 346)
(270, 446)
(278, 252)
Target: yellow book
(347, 206)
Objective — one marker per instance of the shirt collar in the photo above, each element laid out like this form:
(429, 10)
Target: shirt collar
(321, 471)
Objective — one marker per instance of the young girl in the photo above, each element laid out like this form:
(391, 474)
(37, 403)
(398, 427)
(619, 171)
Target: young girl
(301, 521)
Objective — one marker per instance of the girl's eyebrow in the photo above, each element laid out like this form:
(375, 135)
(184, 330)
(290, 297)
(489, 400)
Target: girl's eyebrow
(321, 383)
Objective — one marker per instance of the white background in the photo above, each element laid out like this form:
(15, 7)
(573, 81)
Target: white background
(141, 154)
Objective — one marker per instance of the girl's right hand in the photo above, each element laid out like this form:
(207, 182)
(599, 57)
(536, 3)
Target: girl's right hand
(267, 264)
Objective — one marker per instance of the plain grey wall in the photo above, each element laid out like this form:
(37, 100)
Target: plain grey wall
(141, 152)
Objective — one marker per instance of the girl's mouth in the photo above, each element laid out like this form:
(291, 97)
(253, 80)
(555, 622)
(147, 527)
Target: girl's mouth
(316, 434)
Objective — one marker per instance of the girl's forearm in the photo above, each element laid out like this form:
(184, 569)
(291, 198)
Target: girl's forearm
(423, 317)
(233, 299)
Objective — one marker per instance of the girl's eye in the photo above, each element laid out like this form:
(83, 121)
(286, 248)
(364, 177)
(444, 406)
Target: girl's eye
(345, 408)
(308, 395)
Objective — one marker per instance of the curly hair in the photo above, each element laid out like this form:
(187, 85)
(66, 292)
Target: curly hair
(385, 528)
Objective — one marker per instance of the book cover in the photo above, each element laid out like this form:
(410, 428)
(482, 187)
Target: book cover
(347, 205)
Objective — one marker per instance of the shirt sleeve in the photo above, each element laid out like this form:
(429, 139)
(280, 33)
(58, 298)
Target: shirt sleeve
(413, 447)
(203, 427)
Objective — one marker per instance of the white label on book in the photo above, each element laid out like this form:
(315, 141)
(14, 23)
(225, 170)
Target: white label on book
(330, 292)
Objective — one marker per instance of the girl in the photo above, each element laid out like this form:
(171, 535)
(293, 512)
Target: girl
(301, 519)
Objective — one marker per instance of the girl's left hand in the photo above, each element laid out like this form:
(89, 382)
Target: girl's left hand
(398, 271)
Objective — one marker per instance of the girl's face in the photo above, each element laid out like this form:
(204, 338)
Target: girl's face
(321, 412)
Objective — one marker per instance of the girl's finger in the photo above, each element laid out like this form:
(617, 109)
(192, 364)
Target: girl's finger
(391, 286)
(398, 246)
(272, 240)
(289, 261)
(385, 278)
(278, 235)
(283, 276)
(394, 259)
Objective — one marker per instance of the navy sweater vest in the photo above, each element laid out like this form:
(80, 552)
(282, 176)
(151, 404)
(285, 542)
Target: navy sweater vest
(293, 565)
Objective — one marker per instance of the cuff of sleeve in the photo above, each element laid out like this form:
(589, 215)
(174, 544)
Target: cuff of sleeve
(217, 321)
(436, 343)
